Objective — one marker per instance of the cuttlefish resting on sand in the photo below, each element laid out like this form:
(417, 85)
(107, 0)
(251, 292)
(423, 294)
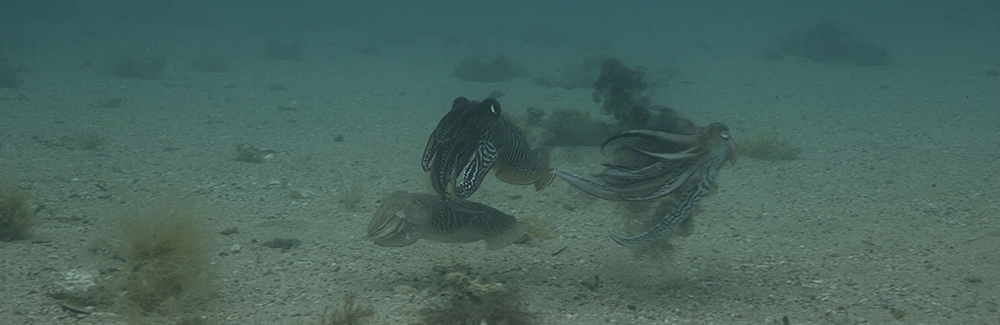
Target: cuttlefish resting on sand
(688, 171)
(470, 140)
(403, 218)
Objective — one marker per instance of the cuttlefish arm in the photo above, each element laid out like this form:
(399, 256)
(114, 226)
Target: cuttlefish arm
(518, 163)
(674, 217)
(444, 134)
(469, 141)
(474, 169)
(621, 183)
(598, 189)
(659, 136)
(403, 218)
(702, 181)
(615, 186)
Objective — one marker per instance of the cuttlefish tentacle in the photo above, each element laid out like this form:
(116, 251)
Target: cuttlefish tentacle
(648, 185)
(685, 139)
(688, 199)
(442, 134)
(689, 173)
(670, 183)
(621, 183)
(666, 156)
(622, 187)
(601, 190)
(675, 216)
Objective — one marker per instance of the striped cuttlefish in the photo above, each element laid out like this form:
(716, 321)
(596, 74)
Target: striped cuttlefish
(403, 218)
(685, 166)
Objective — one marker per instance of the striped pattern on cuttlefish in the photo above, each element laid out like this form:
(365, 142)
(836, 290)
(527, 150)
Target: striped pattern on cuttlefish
(470, 140)
(403, 218)
(688, 172)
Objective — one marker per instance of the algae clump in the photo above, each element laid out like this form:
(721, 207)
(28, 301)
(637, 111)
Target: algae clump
(15, 218)
(349, 314)
(766, 146)
(167, 266)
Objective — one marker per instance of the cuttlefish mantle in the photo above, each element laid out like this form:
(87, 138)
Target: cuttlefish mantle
(403, 218)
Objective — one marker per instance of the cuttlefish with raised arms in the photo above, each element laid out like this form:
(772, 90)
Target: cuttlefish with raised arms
(470, 140)
(403, 218)
(688, 170)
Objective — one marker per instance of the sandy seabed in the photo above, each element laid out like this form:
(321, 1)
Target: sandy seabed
(890, 215)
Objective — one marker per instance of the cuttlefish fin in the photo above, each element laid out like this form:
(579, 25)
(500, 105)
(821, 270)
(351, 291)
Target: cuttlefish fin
(540, 178)
(506, 238)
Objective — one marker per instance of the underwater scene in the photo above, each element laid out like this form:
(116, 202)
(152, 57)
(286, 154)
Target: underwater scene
(499, 163)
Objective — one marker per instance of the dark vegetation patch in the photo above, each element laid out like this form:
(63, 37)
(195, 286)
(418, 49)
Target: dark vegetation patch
(571, 127)
(286, 50)
(623, 94)
(500, 68)
(828, 43)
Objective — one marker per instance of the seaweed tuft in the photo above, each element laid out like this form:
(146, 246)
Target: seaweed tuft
(352, 194)
(15, 218)
(249, 153)
(88, 140)
(766, 146)
(473, 302)
(167, 267)
(349, 314)
(494, 308)
(622, 91)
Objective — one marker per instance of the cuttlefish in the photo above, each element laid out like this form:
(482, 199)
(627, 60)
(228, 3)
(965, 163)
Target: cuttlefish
(404, 217)
(470, 140)
(688, 170)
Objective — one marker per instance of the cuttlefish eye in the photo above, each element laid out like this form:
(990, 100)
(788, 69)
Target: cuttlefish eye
(495, 108)
(724, 134)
